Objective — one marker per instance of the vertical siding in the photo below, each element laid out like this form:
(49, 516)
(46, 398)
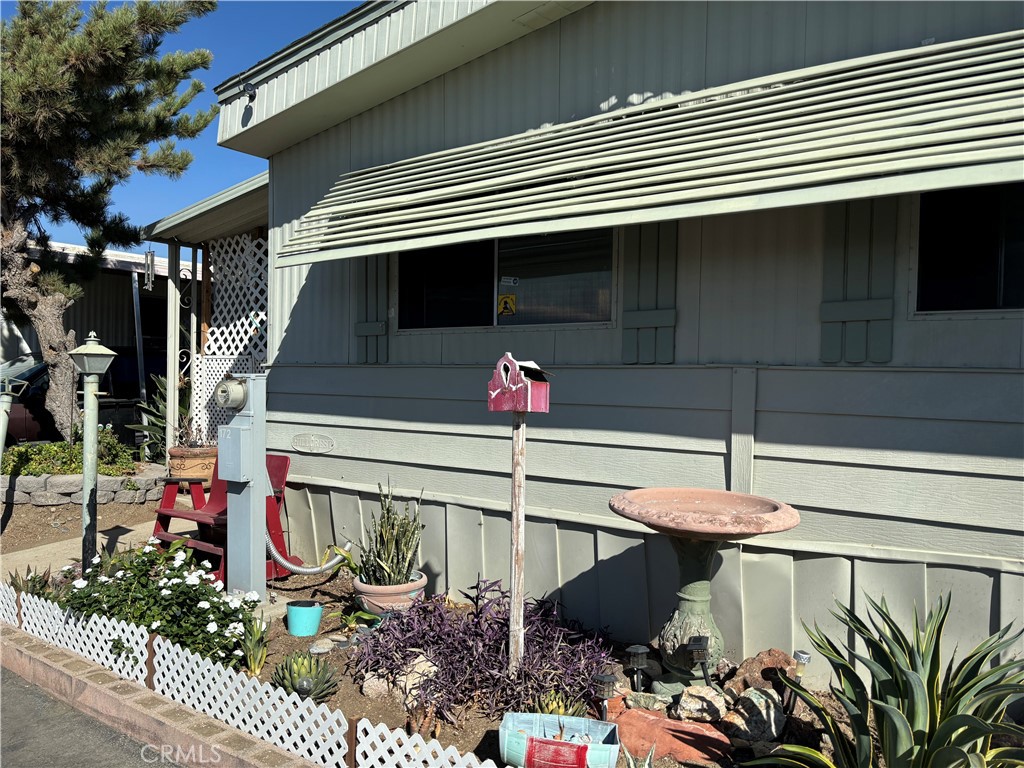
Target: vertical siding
(751, 39)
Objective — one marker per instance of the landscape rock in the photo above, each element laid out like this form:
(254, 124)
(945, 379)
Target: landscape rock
(16, 497)
(685, 742)
(49, 499)
(375, 687)
(761, 671)
(649, 701)
(108, 483)
(757, 715)
(407, 685)
(129, 497)
(154, 494)
(29, 483)
(323, 645)
(699, 702)
(64, 483)
(102, 497)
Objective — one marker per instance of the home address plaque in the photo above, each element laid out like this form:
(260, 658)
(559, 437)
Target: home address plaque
(312, 443)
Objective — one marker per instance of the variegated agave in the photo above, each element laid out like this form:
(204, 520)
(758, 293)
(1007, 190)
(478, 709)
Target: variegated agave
(923, 721)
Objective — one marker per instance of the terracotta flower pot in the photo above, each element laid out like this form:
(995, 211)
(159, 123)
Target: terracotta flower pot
(397, 597)
(193, 462)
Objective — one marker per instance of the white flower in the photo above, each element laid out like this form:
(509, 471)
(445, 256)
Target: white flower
(147, 549)
(165, 592)
(220, 654)
(218, 585)
(88, 570)
(79, 583)
(235, 628)
(172, 582)
(162, 583)
(153, 540)
(253, 596)
(237, 652)
(96, 560)
(155, 624)
(180, 556)
(103, 579)
(234, 603)
(203, 604)
(193, 580)
(211, 627)
(209, 576)
(67, 568)
(119, 574)
(206, 564)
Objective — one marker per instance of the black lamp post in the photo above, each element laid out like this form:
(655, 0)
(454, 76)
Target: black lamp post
(636, 663)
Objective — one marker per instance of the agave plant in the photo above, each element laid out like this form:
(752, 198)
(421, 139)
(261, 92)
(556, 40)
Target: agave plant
(556, 703)
(639, 762)
(306, 675)
(925, 719)
(36, 583)
(254, 642)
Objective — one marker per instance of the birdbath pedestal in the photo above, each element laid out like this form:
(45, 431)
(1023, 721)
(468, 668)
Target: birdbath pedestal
(697, 521)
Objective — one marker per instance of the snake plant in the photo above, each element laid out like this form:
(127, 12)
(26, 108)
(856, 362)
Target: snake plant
(925, 718)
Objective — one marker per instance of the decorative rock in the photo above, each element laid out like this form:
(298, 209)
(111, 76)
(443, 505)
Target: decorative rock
(48, 499)
(154, 494)
(699, 702)
(102, 497)
(652, 702)
(409, 682)
(725, 668)
(64, 483)
(108, 483)
(685, 742)
(17, 497)
(758, 715)
(30, 484)
(323, 645)
(375, 687)
(761, 671)
(130, 497)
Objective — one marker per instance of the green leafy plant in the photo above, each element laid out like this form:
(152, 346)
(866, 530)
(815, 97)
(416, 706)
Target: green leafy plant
(557, 703)
(392, 544)
(113, 457)
(167, 593)
(351, 619)
(155, 429)
(925, 719)
(39, 584)
(306, 675)
(255, 642)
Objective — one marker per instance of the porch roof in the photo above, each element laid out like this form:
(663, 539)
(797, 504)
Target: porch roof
(925, 118)
(239, 208)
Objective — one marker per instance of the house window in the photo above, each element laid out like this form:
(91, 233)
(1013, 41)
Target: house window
(541, 279)
(971, 249)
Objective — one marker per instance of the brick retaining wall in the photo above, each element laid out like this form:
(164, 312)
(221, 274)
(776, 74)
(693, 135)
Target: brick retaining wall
(51, 490)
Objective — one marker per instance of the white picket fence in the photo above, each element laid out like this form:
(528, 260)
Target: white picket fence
(311, 731)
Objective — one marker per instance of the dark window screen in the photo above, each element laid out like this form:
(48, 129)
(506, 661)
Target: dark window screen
(971, 249)
(451, 286)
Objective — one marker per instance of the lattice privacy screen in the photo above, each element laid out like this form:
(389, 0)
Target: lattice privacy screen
(236, 341)
(8, 605)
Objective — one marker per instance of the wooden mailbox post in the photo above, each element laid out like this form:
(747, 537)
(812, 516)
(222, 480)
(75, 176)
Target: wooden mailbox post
(519, 387)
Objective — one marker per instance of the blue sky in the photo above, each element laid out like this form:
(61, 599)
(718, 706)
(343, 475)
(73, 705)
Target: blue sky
(239, 33)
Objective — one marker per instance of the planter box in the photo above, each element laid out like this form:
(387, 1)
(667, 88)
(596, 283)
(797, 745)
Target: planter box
(193, 462)
(601, 738)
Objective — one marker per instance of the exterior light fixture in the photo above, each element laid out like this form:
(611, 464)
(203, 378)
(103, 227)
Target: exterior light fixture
(802, 659)
(699, 648)
(91, 359)
(604, 689)
(636, 664)
(249, 90)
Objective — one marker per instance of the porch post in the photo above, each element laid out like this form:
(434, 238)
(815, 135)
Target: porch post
(173, 342)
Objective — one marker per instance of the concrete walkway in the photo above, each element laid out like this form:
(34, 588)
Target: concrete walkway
(57, 554)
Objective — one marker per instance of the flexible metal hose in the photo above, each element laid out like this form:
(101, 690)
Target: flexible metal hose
(304, 570)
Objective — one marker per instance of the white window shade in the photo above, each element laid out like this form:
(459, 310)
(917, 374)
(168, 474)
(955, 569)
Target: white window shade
(933, 117)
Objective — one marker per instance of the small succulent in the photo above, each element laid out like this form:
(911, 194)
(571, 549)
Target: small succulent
(254, 643)
(556, 703)
(638, 762)
(310, 677)
(35, 583)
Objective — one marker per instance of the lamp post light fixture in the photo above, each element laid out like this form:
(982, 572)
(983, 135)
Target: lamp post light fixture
(802, 659)
(92, 360)
(636, 663)
(604, 689)
(699, 648)
(10, 388)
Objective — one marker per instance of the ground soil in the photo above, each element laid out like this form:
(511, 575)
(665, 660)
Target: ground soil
(24, 526)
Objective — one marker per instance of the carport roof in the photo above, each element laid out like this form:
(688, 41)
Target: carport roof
(240, 208)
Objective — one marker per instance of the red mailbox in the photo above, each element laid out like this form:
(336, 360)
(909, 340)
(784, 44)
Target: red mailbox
(518, 386)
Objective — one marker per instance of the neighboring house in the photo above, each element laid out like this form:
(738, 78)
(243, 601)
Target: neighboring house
(767, 247)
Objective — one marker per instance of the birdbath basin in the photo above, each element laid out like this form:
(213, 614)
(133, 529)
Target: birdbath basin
(697, 521)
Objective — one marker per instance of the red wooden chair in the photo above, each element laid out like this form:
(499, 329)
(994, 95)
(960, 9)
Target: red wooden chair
(211, 515)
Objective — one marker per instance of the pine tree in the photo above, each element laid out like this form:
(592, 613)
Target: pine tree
(86, 100)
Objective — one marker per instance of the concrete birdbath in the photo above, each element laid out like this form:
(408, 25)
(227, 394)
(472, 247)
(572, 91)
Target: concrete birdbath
(697, 521)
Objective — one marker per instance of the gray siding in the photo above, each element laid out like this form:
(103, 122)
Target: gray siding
(909, 483)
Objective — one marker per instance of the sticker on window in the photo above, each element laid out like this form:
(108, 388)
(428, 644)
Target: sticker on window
(510, 281)
(506, 304)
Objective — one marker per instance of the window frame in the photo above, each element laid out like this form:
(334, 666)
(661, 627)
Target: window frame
(913, 313)
(393, 299)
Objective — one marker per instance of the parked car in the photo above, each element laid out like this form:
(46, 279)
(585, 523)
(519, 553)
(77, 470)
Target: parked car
(29, 421)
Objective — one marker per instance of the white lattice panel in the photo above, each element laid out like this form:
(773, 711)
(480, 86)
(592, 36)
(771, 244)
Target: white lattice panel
(8, 605)
(377, 746)
(309, 730)
(116, 645)
(238, 321)
(208, 371)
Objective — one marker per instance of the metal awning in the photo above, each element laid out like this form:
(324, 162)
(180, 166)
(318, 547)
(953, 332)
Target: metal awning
(933, 117)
